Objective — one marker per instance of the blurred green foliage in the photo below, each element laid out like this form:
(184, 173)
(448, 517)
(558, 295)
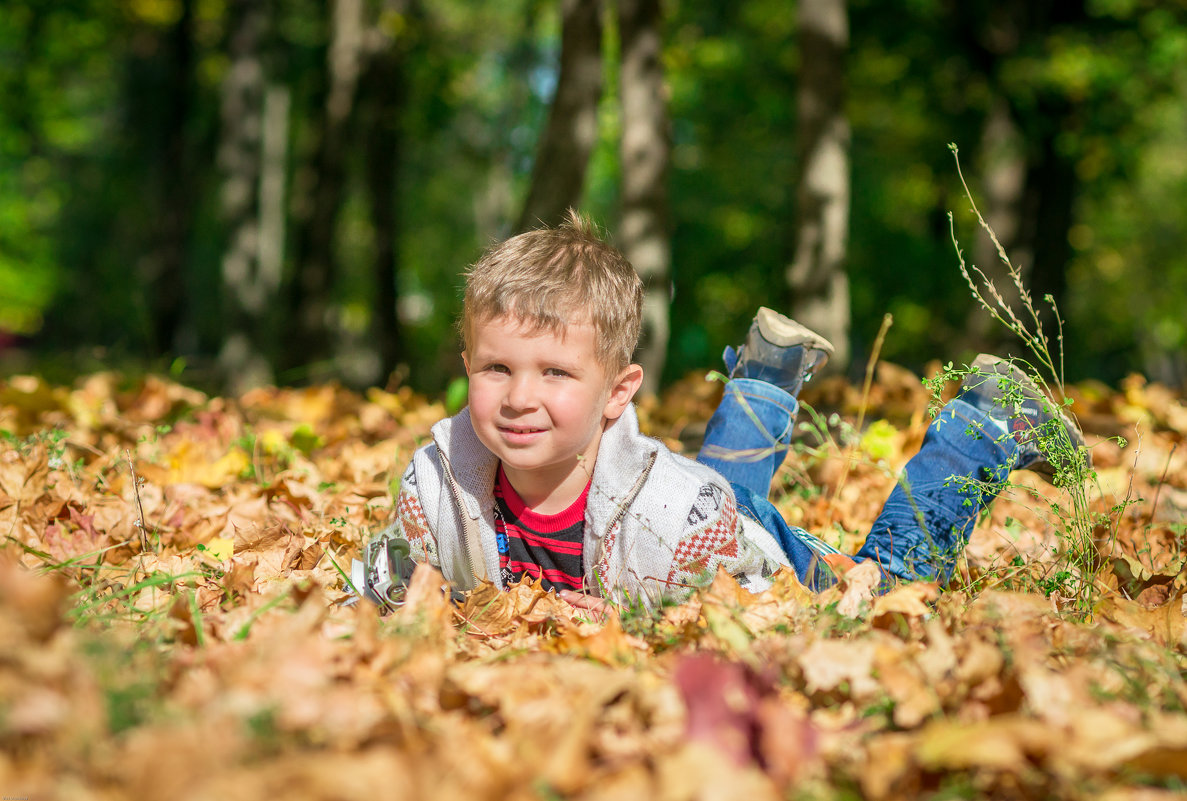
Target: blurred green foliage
(94, 158)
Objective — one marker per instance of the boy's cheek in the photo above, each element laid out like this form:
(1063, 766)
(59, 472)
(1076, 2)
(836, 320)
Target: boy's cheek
(477, 388)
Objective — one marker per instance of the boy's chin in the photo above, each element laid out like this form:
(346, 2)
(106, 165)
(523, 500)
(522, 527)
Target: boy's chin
(542, 465)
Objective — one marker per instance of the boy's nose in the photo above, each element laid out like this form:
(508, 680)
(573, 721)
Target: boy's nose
(522, 393)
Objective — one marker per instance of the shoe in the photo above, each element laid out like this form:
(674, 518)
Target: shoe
(1013, 401)
(780, 351)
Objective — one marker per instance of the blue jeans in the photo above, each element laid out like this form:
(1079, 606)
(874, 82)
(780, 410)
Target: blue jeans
(924, 524)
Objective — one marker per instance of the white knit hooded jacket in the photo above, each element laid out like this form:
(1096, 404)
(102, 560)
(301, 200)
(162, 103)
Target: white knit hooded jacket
(656, 524)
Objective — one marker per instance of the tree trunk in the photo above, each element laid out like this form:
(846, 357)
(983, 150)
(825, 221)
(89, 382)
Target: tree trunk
(165, 265)
(817, 279)
(558, 176)
(1030, 195)
(382, 97)
(273, 196)
(1003, 164)
(309, 292)
(247, 288)
(1047, 216)
(645, 147)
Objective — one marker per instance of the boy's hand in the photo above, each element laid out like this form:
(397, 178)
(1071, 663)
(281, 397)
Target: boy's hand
(599, 609)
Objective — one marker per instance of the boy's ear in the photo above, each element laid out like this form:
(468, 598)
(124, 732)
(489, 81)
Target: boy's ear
(466, 361)
(622, 390)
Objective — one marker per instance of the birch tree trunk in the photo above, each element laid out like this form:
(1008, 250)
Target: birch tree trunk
(249, 280)
(817, 279)
(645, 147)
(558, 175)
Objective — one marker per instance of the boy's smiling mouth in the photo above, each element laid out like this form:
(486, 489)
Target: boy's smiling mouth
(506, 429)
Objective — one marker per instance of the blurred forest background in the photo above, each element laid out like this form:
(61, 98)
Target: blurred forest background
(246, 192)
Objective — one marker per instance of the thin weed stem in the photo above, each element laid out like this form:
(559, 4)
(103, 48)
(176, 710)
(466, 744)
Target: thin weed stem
(144, 543)
(1069, 460)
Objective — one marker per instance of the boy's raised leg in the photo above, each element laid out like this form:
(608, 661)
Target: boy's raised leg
(999, 422)
(747, 438)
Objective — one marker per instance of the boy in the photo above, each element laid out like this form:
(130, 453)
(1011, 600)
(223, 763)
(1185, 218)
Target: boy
(545, 472)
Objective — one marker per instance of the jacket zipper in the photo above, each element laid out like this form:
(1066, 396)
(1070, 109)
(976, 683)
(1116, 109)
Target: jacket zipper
(630, 496)
(470, 532)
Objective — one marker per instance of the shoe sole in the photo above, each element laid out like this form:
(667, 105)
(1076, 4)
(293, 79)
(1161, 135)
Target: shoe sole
(780, 330)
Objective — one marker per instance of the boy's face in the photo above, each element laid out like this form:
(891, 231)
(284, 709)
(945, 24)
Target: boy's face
(539, 400)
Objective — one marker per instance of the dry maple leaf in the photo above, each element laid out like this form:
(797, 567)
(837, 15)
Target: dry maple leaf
(906, 600)
(857, 588)
(1166, 624)
(1007, 743)
(603, 641)
(490, 611)
(830, 665)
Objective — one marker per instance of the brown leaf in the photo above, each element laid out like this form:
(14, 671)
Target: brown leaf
(241, 578)
(915, 699)
(490, 611)
(31, 606)
(1166, 625)
(1006, 743)
(906, 600)
(786, 586)
(309, 557)
(1151, 586)
(996, 605)
(181, 612)
(858, 586)
(1164, 752)
(633, 782)
(938, 661)
(426, 602)
(726, 590)
(829, 664)
(788, 742)
(700, 771)
(250, 535)
(605, 642)
(979, 661)
(888, 769)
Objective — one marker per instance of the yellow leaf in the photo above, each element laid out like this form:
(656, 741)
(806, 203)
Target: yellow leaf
(1005, 743)
(221, 548)
(224, 471)
(726, 627)
(273, 442)
(880, 441)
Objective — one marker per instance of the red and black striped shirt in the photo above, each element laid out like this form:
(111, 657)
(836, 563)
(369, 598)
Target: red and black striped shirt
(537, 545)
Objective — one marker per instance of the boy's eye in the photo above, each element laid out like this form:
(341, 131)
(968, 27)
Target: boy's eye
(556, 371)
(497, 368)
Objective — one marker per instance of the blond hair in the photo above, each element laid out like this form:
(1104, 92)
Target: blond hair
(552, 278)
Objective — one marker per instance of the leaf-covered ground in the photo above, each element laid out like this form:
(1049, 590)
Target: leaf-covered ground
(172, 622)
